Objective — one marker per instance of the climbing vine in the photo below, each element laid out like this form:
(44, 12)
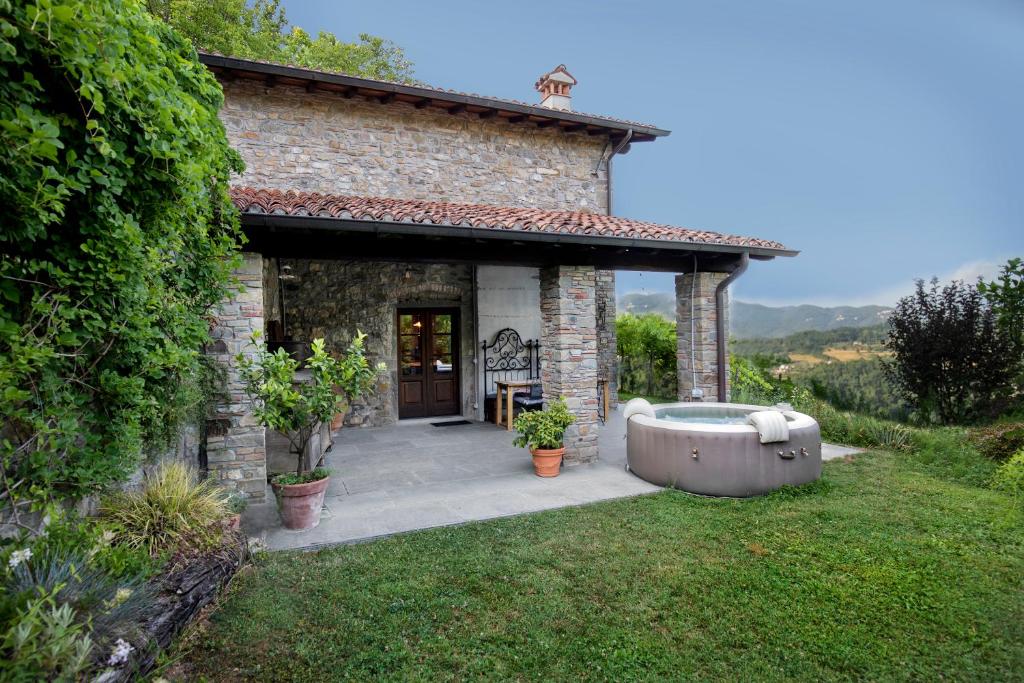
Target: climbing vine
(117, 240)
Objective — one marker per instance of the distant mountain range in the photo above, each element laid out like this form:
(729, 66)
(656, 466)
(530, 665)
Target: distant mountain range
(751, 321)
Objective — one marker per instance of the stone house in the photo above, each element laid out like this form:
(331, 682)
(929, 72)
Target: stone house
(432, 220)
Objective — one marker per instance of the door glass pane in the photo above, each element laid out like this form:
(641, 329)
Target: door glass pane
(443, 324)
(443, 354)
(411, 355)
(410, 323)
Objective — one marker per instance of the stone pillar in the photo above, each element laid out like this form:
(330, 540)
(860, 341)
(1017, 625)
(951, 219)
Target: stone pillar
(569, 352)
(607, 361)
(705, 356)
(236, 453)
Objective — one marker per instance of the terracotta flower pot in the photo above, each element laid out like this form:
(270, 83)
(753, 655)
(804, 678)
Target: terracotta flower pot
(547, 462)
(300, 504)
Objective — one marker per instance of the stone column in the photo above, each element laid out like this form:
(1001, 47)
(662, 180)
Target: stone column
(607, 361)
(705, 356)
(236, 453)
(569, 352)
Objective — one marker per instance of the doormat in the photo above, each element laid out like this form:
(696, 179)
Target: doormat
(453, 423)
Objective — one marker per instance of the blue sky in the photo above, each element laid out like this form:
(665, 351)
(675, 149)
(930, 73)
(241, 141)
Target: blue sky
(882, 138)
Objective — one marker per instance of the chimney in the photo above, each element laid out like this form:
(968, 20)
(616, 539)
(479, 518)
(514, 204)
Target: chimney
(554, 88)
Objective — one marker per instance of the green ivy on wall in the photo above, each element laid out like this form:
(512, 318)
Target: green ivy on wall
(117, 239)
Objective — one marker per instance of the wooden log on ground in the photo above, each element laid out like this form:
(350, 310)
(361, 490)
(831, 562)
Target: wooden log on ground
(181, 596)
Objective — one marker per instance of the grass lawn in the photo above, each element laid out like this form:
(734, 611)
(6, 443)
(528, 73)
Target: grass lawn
(883, 570)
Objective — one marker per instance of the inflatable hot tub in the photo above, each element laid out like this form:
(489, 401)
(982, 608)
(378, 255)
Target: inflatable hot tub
(721, 449)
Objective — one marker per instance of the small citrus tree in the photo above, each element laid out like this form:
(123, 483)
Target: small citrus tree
(297, 407)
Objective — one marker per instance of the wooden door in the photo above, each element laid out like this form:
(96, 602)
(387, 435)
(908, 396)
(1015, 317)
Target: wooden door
(428, 362)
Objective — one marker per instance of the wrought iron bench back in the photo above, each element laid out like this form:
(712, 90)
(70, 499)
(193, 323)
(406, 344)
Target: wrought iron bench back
(509, 358)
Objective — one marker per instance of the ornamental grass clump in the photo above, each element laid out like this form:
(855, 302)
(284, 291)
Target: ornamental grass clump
(172, 511)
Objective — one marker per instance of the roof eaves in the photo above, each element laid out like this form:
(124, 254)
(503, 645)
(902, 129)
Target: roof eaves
(641, 131)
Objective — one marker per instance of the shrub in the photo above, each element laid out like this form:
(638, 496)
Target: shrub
(171, 511)
(950, 357)
(543, 428)
(44, 642)
(1010, 477)
(117, 240)
(999, 441)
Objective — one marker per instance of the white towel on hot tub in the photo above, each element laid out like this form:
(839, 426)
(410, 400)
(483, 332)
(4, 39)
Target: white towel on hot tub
(771, 425)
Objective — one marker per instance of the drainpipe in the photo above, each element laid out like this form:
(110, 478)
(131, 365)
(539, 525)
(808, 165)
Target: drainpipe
(720, 330)
(606, 161)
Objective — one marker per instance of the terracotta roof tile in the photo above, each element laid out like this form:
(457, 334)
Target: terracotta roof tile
(251, 200)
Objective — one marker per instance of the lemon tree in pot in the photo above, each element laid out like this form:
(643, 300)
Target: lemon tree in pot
(543, 431)
(296, 407)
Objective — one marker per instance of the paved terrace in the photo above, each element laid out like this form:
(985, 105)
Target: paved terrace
(414, 476)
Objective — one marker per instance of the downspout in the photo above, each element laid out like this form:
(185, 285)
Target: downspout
(720, 331)
(606, 161)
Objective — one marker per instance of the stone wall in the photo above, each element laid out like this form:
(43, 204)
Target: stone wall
(704, 335)
(331, 299)
(323, 142)
(569, 352)
(607, 360)
(235, 443)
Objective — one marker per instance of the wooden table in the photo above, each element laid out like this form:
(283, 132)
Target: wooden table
(509, 386)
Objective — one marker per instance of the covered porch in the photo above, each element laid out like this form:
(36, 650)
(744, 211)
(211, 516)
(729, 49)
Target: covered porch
(413, 475)
(437, 285)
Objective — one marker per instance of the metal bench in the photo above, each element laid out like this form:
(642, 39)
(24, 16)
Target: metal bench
(508, 358)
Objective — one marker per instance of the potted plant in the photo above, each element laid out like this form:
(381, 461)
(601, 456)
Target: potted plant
(297, 408)
(542, 432)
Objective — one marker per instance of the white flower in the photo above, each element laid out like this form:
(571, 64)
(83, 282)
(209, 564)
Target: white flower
(107, 536)
(120, 653)
(19, 556)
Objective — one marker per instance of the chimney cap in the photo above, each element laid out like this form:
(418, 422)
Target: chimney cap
(559, 75)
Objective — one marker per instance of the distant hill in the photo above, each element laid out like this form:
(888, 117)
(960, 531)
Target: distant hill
(754, 320)
(750, 321)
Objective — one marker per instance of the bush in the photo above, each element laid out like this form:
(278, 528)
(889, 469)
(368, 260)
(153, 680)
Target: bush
(172, 511)
(999, 441)
(1010, 477)
(44, 642)
(951, 360)
(117, 240)
(543, 428)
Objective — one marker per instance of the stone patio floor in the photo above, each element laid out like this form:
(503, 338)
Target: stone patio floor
(414, 476)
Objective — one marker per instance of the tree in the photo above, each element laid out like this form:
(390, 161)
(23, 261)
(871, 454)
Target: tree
(949, 354)
(1006, 296)
(260, 30)
(649, 339)
(296, 408)
(118, 239)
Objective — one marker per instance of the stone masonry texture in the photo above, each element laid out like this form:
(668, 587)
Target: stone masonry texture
(332, 299)
(607, 360)
(705, 357)
(235, 442)
(322, 142)
(569, 352)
